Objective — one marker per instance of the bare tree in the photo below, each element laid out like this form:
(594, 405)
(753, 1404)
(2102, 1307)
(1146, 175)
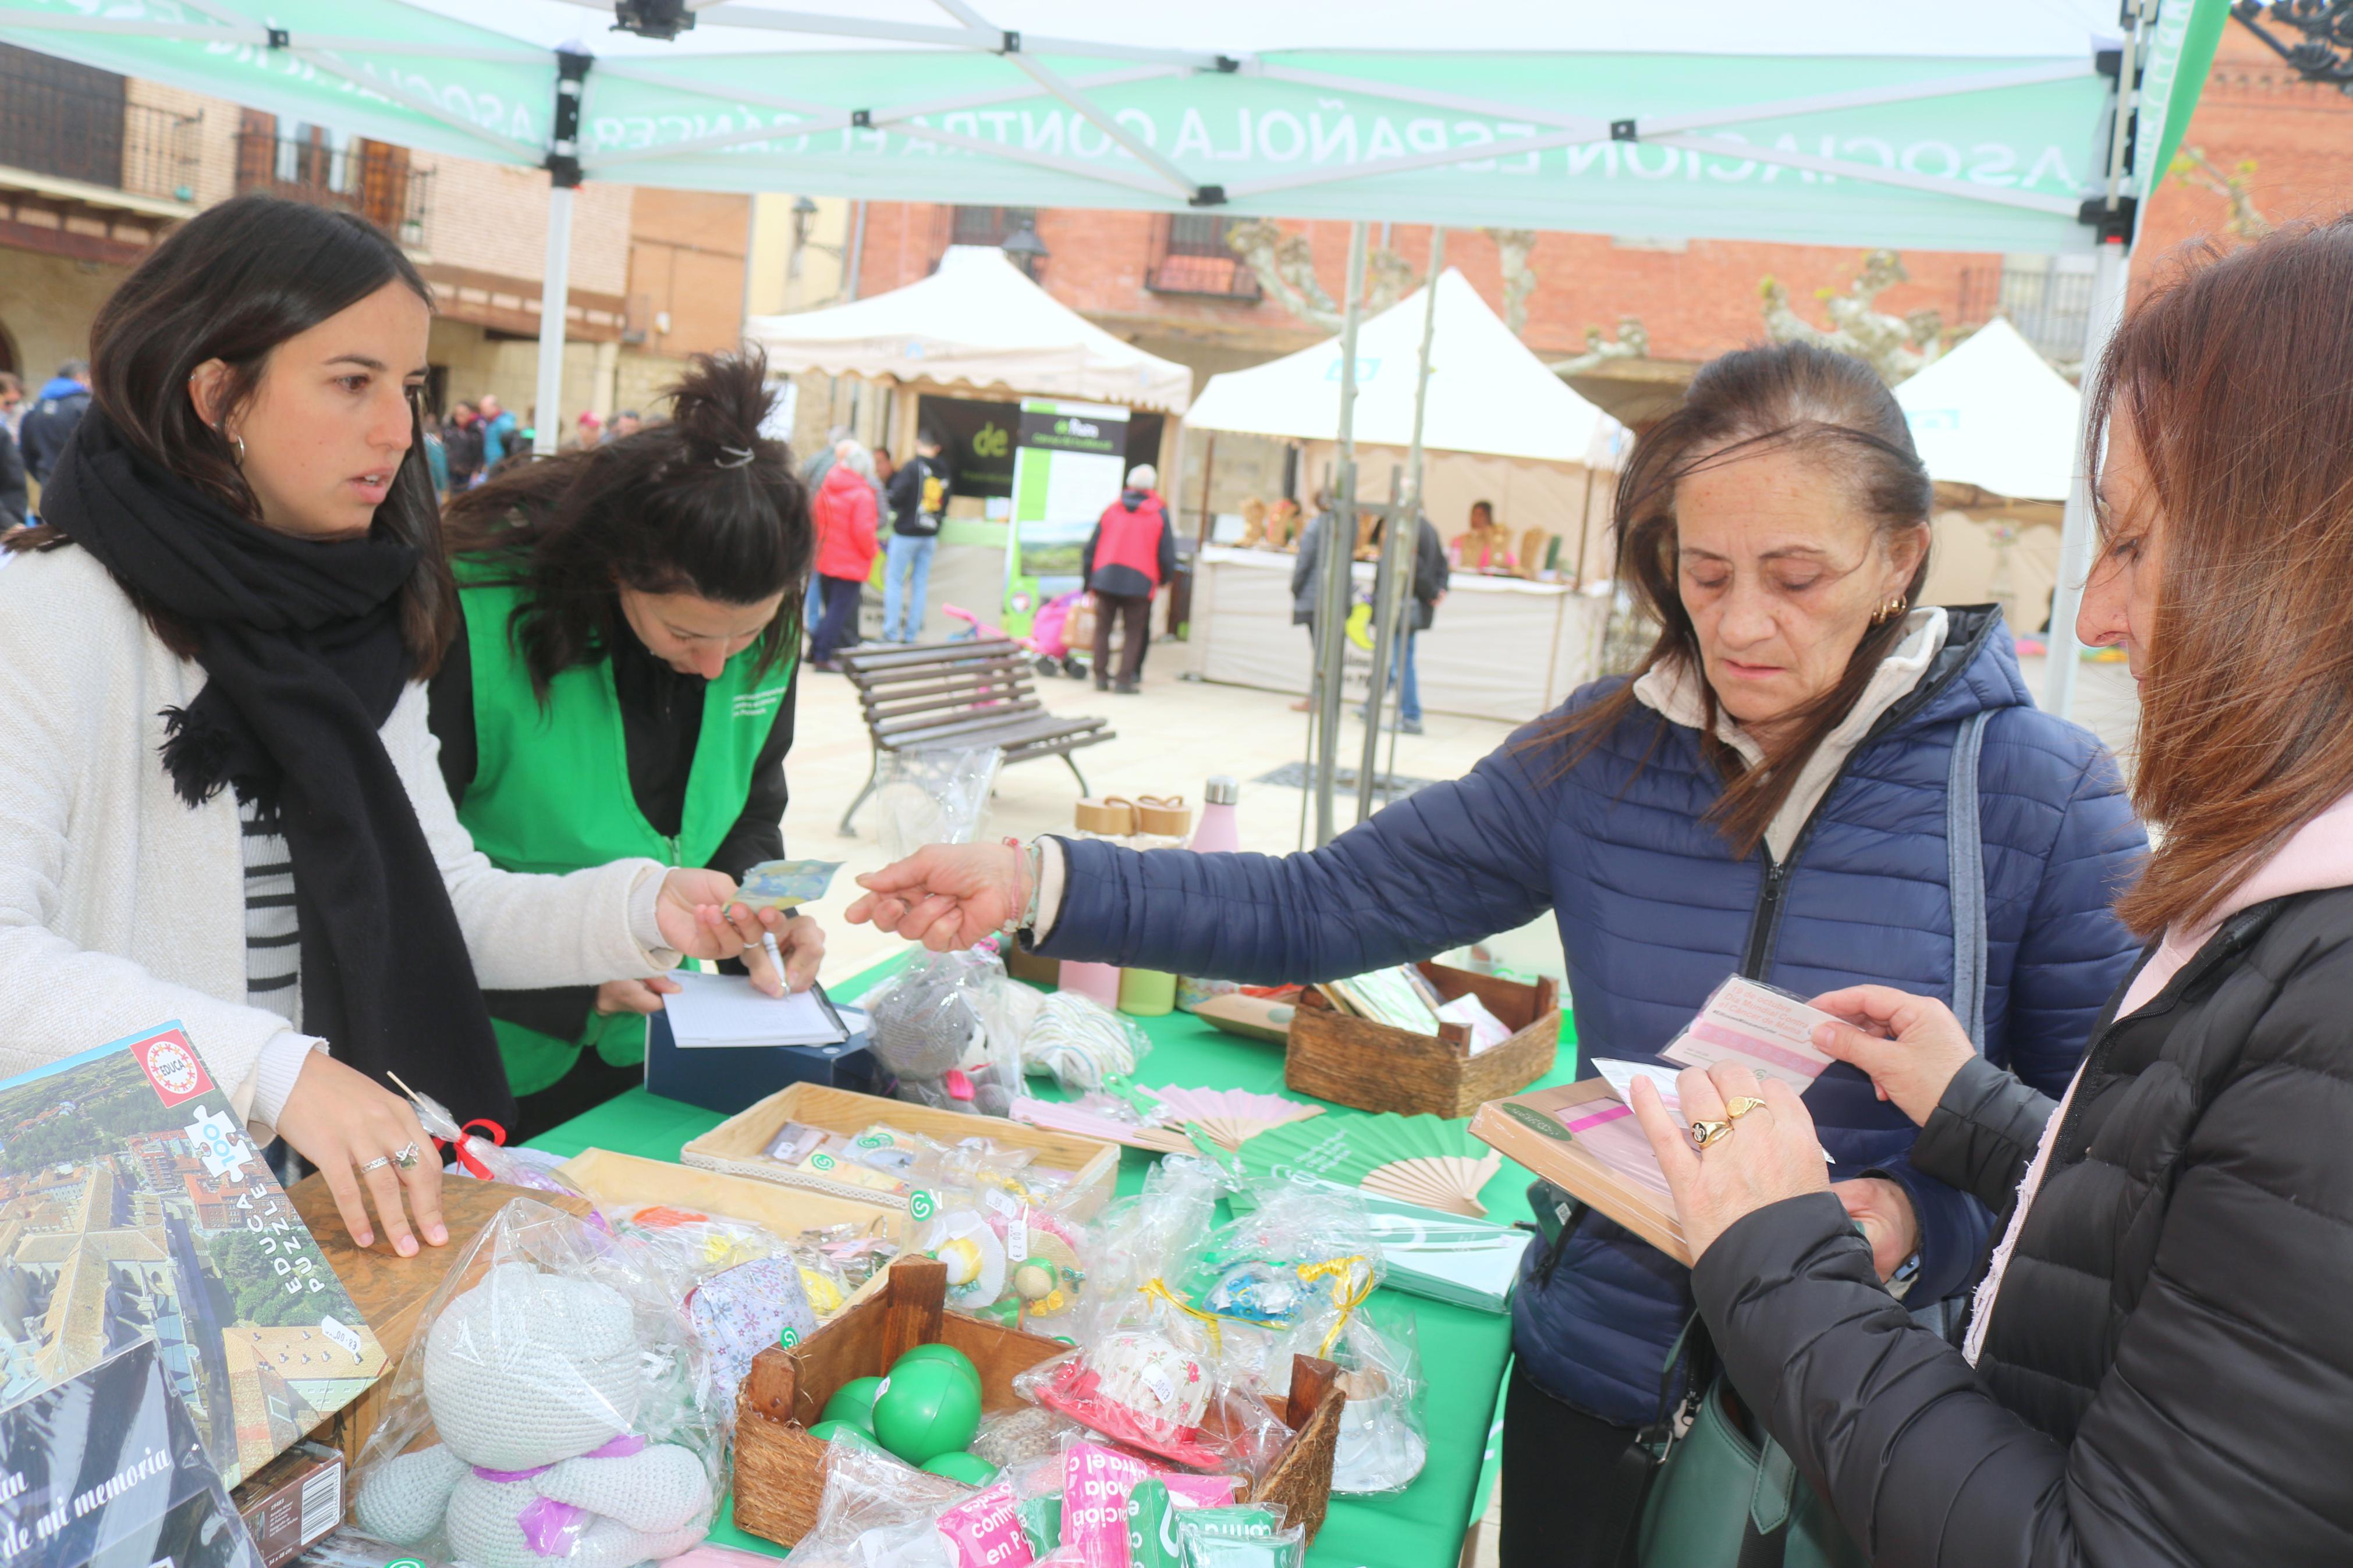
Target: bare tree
(2191, 167)
(1894, 346)
(1512, 249)
(1633, 342)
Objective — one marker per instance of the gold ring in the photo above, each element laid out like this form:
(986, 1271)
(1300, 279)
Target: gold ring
(1706, 1132)
(1741, 1105)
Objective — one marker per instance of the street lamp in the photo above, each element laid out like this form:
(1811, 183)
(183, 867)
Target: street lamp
(1026, 248)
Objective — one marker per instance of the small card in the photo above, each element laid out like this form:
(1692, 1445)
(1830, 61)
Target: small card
(1769, 1032)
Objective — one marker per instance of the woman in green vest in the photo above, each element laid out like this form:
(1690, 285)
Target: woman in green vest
(621, 684)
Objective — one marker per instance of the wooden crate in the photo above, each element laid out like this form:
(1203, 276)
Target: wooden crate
(390, 1291)
(736, 1146)
(780, 1468)
(614, 1179)
(1355, 1061)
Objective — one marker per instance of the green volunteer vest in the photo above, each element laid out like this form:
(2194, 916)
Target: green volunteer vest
(551, 790)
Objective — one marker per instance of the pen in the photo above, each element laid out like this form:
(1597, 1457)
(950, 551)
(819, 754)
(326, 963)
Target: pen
(768, 941)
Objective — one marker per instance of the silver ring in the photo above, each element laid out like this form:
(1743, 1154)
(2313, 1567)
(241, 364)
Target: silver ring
(406, 1158)
(376, 1164)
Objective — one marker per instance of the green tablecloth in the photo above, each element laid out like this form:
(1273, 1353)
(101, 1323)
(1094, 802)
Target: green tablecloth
(1463, 1352)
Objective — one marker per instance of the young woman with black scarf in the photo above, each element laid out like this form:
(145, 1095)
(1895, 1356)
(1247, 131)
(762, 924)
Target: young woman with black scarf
(224, 807)
(631, 612)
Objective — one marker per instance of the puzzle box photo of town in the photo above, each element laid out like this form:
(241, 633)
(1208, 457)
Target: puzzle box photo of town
(131, 1203)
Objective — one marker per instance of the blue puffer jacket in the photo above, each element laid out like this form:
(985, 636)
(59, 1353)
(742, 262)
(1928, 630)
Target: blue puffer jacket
(1653, 912)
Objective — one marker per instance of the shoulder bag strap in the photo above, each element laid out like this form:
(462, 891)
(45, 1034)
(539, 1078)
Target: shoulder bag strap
(1965, 842)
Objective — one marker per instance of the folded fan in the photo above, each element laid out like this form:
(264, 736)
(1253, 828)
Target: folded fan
(1425, 1159)
(1230, 1116)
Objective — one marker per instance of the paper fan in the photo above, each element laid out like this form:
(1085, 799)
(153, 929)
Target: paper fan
(1425, 1159)
(1230, 1116)
(1058, 1118)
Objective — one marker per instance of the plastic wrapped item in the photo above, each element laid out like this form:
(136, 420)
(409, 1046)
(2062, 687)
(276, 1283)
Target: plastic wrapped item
(932, 796)
(485, 1158)
(741, 1311)
(923, 1020)
(1383, 1439)
(692, 1245)
(1142, 1239)
(1138, 1386)
(1024, 1434)
(876, 1512)
(1300, 1264)
(554, 1407)
(1211, 1541)
(1097, 1484)
(1083, 1044)
(1010, 1253)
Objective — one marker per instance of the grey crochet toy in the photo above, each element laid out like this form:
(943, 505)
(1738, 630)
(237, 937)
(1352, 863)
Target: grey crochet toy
(537, 1387)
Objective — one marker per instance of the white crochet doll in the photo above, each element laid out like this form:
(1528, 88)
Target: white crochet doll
(535, 1383)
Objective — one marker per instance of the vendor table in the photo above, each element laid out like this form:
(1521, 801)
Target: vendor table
(1498, 648)
(1463, 1351)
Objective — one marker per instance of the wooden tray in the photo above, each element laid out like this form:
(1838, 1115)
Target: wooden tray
(1355, 1061)
(736, 1146)
(616, 1179)
(390, 1291)
(780, 1468)
(1558, 1159)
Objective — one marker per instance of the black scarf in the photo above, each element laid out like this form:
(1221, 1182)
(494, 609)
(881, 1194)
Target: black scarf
(300, 640)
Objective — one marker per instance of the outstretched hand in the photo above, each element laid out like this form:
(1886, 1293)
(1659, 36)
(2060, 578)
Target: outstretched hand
(945, 896)
(1911, 1046)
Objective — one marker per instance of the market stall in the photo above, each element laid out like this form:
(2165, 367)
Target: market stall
(1422, 1526)
(1996, 426)
(962, 351)
(1502, 646)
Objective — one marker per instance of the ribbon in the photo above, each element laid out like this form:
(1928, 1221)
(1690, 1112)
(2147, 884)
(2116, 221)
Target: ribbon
(466, 1157)
(1349, 1291)
(549, 1527)
(1158, 1287)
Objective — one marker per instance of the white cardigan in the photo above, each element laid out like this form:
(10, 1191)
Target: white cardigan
(121, 908)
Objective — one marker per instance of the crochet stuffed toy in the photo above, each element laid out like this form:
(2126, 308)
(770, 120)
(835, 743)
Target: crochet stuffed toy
(537, 1386)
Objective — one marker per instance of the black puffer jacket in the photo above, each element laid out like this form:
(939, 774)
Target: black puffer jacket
(2167, 1377)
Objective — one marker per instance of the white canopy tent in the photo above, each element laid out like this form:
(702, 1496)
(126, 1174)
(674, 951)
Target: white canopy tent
(2006, 125)
(1994, 414)
(1488, 395)
(976, 320)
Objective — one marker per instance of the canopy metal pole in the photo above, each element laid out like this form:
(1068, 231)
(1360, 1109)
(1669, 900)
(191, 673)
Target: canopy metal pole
(555, 282)
(1339, 553)
(2111, 278)
(1400, 541)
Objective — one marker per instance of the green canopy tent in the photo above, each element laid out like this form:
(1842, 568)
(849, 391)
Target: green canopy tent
(1994, 126)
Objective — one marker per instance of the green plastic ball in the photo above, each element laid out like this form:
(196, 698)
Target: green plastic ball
(826, 1431)
(947, 1354)
(926, 1409)
(958, 1466)
(854, 1402)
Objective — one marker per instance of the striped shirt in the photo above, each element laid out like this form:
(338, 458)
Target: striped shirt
(273, 938)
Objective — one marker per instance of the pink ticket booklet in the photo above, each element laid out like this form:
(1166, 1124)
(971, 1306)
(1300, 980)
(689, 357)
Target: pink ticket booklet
(1769, 1032)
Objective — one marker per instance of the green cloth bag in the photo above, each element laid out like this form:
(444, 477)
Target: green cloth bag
(1723, 1498)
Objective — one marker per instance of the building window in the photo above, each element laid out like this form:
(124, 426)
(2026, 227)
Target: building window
(1190, 255)
(71, 122)
(2047, 298)
(334, 169)
(989, 226)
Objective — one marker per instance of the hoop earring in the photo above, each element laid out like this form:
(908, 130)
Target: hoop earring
(239, 442)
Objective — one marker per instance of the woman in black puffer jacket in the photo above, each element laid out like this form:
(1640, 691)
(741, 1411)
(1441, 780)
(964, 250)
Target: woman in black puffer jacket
(2159, 1365)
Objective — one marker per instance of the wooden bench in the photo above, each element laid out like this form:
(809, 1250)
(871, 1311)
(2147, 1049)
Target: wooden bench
(953, 694)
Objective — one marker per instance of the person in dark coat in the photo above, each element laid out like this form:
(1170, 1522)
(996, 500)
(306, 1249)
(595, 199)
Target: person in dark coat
(1773, 795)
(49, 423)
(2159, 1369)
(1432, 573)
(1132, 551)
(13, 496)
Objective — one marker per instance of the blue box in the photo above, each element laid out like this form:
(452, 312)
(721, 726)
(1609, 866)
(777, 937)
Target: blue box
(729, 1079)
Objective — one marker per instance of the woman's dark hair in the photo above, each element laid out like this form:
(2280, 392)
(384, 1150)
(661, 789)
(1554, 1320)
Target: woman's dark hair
(701, 504)
(232, 284)
(1789, 396)
(2236, 379)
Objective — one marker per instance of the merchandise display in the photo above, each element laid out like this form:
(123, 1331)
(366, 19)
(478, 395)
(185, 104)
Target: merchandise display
(1082, 1043)
(555, 1407)
(1426, 1160)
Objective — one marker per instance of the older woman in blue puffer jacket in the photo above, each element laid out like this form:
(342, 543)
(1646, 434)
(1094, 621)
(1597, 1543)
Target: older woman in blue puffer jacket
(1772, 794)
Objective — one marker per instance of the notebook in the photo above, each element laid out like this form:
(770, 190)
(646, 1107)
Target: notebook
(717, 1011)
